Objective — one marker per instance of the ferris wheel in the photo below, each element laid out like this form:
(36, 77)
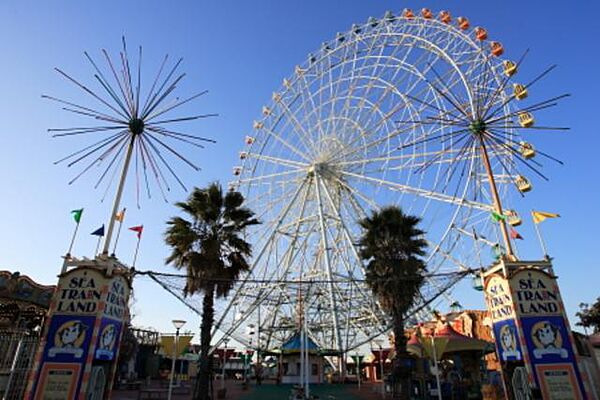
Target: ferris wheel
(417, 110)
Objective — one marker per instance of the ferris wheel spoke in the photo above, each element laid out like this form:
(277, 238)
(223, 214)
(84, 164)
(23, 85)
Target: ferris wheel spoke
(270, 176)
(293, 149)
(333, 303)
(303, 135)
(350, 243)
(280, 220)
(421, 192)
(277, 160)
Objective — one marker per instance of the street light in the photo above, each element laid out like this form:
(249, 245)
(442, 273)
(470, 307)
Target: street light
(224, 361)
(178, 324)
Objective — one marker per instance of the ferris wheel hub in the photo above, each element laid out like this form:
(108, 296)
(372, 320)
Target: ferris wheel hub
(477, 127)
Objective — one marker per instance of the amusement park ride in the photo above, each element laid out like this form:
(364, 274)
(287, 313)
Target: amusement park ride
(416, 110)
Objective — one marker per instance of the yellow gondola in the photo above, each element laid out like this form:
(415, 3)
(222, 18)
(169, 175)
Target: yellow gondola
(527, 150)
(512, 217)
(286, 83)
(523, 184)
(519, 91)
(510, 68)
(526, 119)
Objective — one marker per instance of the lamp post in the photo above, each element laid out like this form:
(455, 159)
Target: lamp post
(224, 361)
(178, 324)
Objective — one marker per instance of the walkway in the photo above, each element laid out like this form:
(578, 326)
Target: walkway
(270, 391)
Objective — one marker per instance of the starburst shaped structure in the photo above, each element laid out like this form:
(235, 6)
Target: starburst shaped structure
(130, 124)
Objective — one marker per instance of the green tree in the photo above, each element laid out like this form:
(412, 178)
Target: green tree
(589, 317)
(209, 246)
(392, 246)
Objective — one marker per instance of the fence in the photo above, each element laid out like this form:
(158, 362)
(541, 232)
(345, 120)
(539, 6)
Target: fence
(17, 352)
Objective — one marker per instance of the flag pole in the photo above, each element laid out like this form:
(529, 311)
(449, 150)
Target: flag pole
(98, 245)
(540, 238)
(68, 255)
(137, 248)
(118, 231)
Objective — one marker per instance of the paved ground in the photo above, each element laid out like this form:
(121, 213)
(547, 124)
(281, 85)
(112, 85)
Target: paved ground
(267, 392)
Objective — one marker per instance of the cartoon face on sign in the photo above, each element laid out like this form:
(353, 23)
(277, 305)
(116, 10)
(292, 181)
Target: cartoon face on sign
(69, 338)
(107, 340)
(547, 340)
(508, 342)
(108, 337)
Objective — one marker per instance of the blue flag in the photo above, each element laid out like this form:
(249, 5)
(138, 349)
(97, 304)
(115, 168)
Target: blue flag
(99, 231)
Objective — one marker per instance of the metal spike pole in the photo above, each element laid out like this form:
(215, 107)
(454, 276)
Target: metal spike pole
(111, 222)
(496, 198)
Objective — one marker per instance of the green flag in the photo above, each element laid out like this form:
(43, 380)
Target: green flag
(77, 214)
(498, 217)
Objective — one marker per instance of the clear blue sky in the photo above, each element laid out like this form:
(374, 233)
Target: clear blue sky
(240, 51)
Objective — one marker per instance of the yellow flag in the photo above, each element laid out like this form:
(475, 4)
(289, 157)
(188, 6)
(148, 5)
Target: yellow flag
(168, 343)
(539, 216)
(120, 216)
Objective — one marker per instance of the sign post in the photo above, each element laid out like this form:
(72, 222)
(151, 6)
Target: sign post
(533, 338)
(77, 357)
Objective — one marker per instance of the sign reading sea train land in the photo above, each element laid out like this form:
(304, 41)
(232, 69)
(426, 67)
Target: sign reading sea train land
(498, 297)
(80, 293)
(116, 299)
(536, 293)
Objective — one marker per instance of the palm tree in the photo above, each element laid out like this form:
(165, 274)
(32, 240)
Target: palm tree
(209, 246)
(391, 247)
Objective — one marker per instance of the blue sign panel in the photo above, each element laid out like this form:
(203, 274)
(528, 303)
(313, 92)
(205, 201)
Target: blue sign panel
(507, 341)
(548, 343)
(69, 338)
(108, 339)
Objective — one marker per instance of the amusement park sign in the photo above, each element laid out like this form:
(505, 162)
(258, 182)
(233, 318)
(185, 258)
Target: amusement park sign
(498, 298)
(535, 293)
(80, 293)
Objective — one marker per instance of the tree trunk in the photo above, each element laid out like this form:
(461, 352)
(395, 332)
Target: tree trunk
(202, 390)
(400, 374)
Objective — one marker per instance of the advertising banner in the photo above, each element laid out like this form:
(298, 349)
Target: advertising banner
(546, 333)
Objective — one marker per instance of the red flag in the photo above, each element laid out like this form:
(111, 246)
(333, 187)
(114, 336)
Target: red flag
(514, 234)
(139, 229)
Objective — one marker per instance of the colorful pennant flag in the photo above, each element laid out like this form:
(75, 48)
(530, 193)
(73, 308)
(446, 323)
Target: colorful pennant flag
(99, 231)
(497, 217)
(120, 216)
(514, 234)
(77, 214)
(139, 229)
(539, 216)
